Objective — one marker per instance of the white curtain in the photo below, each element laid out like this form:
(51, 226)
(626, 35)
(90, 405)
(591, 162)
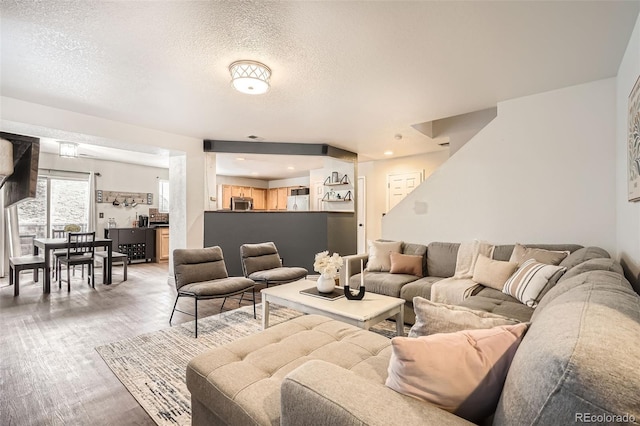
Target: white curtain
(92, 221)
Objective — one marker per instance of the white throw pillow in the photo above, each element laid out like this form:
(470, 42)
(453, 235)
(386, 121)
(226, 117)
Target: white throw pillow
(432, 318)
(380, 255)
(529, 280)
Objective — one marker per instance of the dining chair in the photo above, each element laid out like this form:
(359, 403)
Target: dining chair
(23, 263)
(80, 251)
(202, 274)
(262, 264)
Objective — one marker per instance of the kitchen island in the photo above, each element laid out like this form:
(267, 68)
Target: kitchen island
(297, 235)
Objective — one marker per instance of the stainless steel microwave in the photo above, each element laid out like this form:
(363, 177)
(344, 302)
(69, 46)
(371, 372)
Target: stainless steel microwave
(241, 203)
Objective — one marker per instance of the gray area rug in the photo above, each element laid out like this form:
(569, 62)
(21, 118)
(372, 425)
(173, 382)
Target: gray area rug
(152, 366)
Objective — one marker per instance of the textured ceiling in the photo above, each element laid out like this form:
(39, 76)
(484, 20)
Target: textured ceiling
(352, 74)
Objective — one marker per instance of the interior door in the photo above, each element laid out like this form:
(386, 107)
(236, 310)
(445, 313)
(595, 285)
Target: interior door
(361, 232)
(399, 185)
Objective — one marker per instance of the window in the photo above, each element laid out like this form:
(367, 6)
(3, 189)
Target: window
(59, 202)
(163, 196)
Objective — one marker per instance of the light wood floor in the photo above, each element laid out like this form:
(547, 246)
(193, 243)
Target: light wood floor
(50, 373)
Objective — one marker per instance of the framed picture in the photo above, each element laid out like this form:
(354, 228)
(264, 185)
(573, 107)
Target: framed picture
(633, 143)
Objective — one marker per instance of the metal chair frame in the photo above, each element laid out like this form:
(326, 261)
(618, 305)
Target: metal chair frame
(197, 298)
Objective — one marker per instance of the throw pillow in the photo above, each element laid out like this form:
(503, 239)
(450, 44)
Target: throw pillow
(493, 273)
(432, 318)
(468, 255)
(521, 254)
(379, 258)
(461, 372)
(527, 283)
(406, 264)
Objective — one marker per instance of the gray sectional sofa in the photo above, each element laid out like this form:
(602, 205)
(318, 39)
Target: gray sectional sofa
(576, 364)
(440, 262)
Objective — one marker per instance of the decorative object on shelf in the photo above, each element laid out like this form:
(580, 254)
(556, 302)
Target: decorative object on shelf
(68, 149)
(250, 77)
(331, 196)
(361, 291)
(328, 267)
(335, 180)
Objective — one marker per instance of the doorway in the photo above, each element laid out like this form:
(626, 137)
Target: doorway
(58, 202)
(399, 185)
(361, 208)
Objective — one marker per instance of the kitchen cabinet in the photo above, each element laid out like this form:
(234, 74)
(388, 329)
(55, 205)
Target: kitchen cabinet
(272, 199)
(240, 191)
(136, 243)
(225, 202)
(259, 196)
(225, 192)
(283, 193)
(162, 244)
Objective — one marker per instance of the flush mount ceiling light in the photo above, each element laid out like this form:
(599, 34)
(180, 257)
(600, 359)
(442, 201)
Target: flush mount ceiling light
(250, 77)
(68, 149)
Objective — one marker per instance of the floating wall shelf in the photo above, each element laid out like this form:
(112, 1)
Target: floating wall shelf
(347, 197)
(130, 197)
(344, 180)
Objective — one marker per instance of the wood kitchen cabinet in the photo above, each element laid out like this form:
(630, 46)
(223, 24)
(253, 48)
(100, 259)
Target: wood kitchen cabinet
(225, 203)
(162, 244)
(272, 199)
(259, 196)
(283, 193)
(241, 191)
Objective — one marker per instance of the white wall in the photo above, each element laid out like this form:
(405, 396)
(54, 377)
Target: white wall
(375, 174)
(114, 176)
(297, 181)
(542, 172)
(628, 214)
(187, 228)
(242, 181)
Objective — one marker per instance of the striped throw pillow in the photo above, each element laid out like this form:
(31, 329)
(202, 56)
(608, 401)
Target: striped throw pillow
(529, 280)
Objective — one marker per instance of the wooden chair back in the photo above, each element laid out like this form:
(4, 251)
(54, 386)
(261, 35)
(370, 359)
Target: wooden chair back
(81, 243)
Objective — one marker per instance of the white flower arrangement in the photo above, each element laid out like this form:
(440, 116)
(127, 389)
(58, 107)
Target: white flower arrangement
(327, 265)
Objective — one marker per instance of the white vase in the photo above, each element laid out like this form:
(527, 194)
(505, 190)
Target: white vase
(326, 283)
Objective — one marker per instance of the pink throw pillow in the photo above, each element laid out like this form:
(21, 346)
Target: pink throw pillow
(461, 372)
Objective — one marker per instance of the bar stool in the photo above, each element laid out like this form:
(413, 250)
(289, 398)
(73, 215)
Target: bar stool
(24, 263)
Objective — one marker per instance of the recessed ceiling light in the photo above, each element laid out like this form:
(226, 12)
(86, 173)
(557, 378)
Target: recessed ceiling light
(253, 137)
(291, 168)
(388, 153)
(240, 158)
(254, 173)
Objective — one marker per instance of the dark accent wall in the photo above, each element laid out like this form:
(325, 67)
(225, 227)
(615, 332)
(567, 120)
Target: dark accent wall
(297, 235)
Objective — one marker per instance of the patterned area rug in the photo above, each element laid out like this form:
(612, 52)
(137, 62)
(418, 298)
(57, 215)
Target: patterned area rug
(152, 366)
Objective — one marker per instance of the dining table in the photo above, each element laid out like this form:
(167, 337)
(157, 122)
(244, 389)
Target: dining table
(47, 245)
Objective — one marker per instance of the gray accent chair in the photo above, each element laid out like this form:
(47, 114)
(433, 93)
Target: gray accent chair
(202, 275)
(262, 264)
